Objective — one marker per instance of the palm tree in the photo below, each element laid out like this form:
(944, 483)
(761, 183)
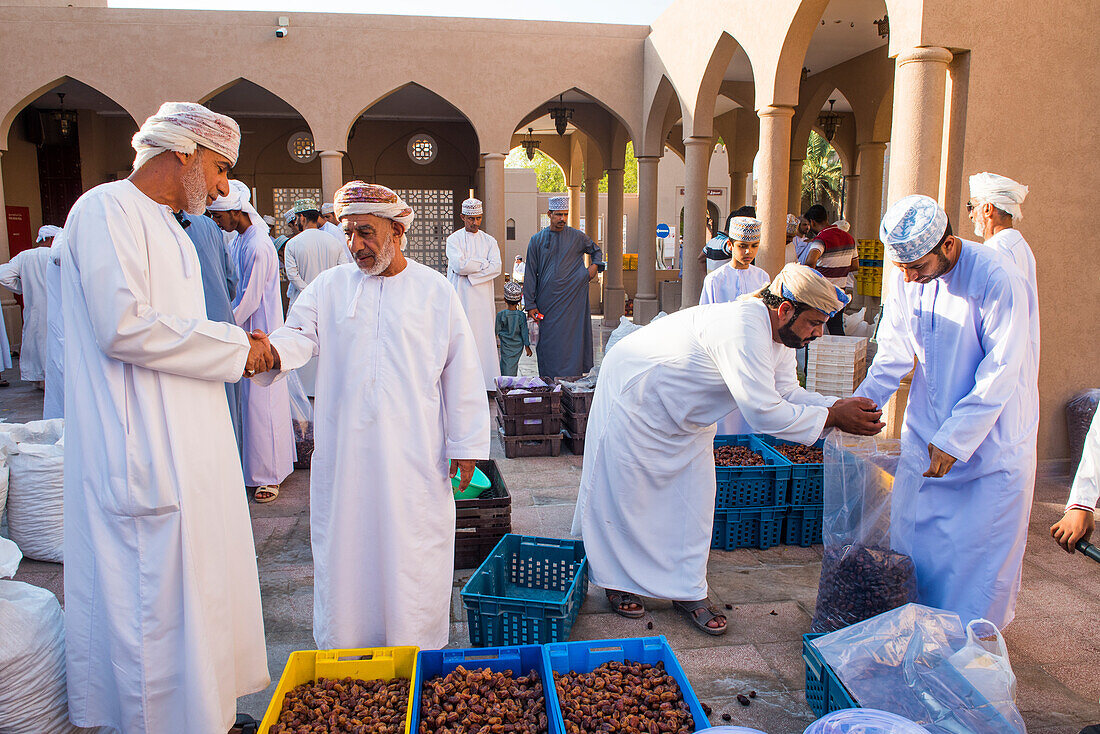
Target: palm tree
(821, 173)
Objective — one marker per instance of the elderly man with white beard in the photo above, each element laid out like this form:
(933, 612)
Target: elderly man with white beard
(399, 393)
(163, 625)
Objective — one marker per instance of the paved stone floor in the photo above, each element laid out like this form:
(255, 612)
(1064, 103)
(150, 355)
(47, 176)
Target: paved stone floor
(1053, 642)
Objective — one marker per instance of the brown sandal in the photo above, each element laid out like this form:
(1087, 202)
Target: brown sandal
(619, 600)
(699, 613)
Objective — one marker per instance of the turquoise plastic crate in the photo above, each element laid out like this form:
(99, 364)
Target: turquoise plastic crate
(748, 527)
(521, 660)
(586, 656)
(803, 525)
(528, 591)
(751, 486)
(807, 485)
(824, 691)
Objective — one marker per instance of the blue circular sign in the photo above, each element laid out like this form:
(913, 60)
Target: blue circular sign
(663, 230)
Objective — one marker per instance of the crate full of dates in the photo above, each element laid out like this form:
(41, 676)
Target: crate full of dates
(633, 686)
(527, 592)
(358, 691)
(748, 473)
(461, 691)
(807, 485)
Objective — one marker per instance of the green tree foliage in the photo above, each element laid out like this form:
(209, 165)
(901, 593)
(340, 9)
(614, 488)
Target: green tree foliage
(821, 173)
(548, 174)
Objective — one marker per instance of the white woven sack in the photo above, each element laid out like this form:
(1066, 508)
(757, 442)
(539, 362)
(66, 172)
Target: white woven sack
(6, 444)
(33, 697)
(35, 500)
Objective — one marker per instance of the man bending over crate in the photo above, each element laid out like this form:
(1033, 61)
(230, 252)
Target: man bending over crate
(399, 392)
(646, 503)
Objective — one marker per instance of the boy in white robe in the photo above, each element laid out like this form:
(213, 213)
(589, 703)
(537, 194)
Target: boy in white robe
(964, 483)
(399, 393)
(473, 262)
(26, 274)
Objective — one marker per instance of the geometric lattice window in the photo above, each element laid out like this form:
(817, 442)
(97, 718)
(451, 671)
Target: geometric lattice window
(422, 149)
(435, 220)
(300, 147)
(285, 198)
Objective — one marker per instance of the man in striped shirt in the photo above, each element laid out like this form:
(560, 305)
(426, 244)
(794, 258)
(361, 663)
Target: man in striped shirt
(832, 253)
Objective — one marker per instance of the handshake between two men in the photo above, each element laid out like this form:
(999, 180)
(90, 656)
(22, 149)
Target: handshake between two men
(262, 357)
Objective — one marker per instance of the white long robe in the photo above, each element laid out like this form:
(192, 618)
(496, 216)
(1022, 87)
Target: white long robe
(53, 405)
(163, 625)
(1085, 490)
(473, 262)
(5, 347)
(266, 431)
(399, 392)
(724, 285)
(646, 502)
(26, 274)
(973, 397)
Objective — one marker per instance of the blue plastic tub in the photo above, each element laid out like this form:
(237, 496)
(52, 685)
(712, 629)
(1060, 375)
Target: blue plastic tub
(807, 485)
(586, 656)
(528, 591)
(521, 660)
(824, 691)
(803, 525)
(748, 527)
(751, 486)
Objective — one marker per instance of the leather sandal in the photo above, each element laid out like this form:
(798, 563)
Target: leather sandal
(699, 613)
(620, 600)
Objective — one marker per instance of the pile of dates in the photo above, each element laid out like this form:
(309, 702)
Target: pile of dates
(801, 454)
(303, 443)
(345, 706)
(627, 697)
(479, 700)
(736, 456)
(859, 582)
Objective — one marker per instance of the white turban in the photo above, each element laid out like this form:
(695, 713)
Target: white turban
(1000, 191)
(48, 231)
(327, 209)
(180, 127)
(237, 200)
(472, 208)
(359, 197)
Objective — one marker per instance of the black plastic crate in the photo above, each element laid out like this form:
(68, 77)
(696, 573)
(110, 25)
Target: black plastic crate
(481, 522)
(516, 447)
(528, 424)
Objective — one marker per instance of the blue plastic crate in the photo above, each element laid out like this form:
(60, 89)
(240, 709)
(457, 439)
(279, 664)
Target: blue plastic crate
(803, 525)
(824, 691)
(528, 591)
(521, 660)
(748, 527)
(586, 656)
(751, 486)
(807, 485)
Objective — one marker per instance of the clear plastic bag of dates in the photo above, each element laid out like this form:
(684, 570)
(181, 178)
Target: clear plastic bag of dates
(865, 569)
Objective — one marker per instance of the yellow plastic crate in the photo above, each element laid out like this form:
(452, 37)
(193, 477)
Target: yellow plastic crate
(368, 663)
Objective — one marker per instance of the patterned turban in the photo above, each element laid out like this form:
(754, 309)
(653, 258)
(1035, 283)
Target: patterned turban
(1000, 191)
(327, 208)
(805, 285)
(304, 205)
(912, 227)
(513, 292)
(558, 204)
(48, 231)
(359, 197)
(473, 208)
(289, 216)
(181, 127)
(744, 229)
(792, 224)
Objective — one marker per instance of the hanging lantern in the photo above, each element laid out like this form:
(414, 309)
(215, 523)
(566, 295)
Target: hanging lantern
(829, 121)
(530, 144)
(560, 114)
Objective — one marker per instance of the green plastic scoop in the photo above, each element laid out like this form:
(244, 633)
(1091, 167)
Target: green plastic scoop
(478, 484)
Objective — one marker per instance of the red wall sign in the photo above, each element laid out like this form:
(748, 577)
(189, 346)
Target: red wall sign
(19, 229)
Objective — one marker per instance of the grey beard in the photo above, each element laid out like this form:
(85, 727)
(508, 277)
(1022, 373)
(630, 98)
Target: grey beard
(979, 228)
(194, 189)
(384, 258)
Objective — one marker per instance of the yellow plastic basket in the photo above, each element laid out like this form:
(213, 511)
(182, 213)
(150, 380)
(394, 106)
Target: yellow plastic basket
(368, 663)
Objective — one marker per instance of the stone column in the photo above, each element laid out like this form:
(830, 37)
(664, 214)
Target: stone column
(493, 221)
(869, 206)
(851, 201)
(916, 136)
(645, 300)
(614, 296)
(737, 190)
(697, 154)
(794, 187)
(332, 173)
(13, 316)
(574, 206)
(773, 183)
(592, 209)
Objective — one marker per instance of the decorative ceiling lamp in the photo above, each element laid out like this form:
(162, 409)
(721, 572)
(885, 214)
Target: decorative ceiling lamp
(530, 144)
(63, 118)
(829, 121)
(883, 26)
(561, 115)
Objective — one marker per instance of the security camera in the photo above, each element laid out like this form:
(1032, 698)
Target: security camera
(281, 32)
